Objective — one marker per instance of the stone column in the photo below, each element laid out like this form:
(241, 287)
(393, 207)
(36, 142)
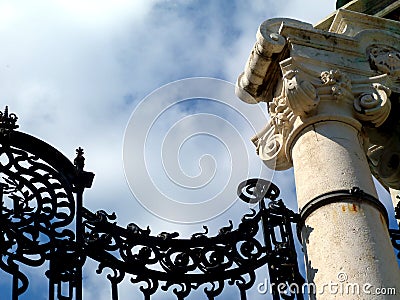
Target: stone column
(327, 91)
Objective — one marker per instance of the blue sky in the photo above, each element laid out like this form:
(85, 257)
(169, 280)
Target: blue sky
(75, 70)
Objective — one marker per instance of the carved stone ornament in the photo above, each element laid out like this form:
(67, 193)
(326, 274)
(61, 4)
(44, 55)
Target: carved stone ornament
(301, 94)
(295, 108)
(373, 106)
(336, 85)
(385, 60)
(257, 81)
(308, 97)
(308, 75)
(271, 141)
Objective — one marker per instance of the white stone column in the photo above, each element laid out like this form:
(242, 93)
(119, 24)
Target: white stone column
(346, 240)
(327, 92)
(329, 156)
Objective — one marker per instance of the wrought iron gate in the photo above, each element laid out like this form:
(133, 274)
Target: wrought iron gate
(43, 220)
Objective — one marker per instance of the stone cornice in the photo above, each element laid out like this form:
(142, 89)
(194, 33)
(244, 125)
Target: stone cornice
(382, 9)
(350, 23)
(278, 39)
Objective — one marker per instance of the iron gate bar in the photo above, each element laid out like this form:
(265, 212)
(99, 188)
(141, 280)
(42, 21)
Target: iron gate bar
(255, 191)
(41, 195)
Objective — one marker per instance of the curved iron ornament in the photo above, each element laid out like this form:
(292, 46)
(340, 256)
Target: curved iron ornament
(37, 187)
(43, 220)
(183, 265)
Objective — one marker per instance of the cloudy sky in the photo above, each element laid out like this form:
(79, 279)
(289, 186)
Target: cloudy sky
(110, 76)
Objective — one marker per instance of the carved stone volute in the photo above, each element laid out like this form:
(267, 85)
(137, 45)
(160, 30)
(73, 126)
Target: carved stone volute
(258, 81)
(373, 105)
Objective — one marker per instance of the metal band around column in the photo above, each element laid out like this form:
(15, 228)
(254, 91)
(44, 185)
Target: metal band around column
(354, 194)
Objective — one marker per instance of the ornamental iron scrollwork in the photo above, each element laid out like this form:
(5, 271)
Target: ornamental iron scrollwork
(232, 256)
(38, 208)
(43, 220)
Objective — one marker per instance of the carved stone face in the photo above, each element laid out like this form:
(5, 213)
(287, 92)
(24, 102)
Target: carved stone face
(385, 60)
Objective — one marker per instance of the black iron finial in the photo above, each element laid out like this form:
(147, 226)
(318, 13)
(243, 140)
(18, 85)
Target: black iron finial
(84, 179)
(8, 121)
(79, 160)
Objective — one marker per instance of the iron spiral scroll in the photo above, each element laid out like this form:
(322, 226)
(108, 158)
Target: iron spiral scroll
(43, 220)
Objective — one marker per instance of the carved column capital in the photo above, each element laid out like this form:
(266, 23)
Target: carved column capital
(308, 76)
(308, 97)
